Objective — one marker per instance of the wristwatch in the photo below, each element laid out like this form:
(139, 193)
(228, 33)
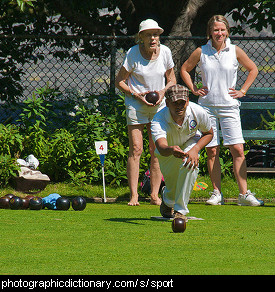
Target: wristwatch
(243, 91)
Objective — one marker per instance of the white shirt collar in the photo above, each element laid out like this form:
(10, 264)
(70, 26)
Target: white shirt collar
(227, 44)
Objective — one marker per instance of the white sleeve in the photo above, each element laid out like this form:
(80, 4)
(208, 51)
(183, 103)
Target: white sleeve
(157, 130)
(128, 61)
(169, 59)
(205, 123)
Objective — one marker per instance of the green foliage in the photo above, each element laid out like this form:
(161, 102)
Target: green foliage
(226, 161)
(11, 144)
(34, 113)
(23, 3)
(61, 156)
(29, 17)
(225, 158)
(11, 141)
(269, 125)
(203, 162)
(36, 142)
(255, 14)
(8, 169)
(61, 134)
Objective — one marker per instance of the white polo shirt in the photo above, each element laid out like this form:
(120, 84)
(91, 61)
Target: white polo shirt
(196, 120)
(219, 73)
(146, 75)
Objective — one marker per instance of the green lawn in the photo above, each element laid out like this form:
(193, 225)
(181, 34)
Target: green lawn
(116, 239)
(113, 238)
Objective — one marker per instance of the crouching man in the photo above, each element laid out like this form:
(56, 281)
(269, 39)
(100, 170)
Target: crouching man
(179, 131)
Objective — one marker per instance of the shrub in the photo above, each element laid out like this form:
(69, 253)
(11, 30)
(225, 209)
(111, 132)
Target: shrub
(62, 155)
(8, 169)
(11, 141)
(66, 151)
(269, 125)
(225, 159)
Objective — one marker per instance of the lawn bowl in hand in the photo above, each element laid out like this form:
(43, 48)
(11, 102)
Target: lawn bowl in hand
(178, 225)
(79, 204)
(152, 97)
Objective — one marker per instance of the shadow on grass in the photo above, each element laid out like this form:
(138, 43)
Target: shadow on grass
(128, 220)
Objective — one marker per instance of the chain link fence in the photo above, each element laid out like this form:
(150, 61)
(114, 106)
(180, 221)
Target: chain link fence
(88, 65)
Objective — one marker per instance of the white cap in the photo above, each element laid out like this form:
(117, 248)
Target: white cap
(149, 24)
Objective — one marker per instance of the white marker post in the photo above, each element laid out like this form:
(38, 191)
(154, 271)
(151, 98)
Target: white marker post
(101, 148)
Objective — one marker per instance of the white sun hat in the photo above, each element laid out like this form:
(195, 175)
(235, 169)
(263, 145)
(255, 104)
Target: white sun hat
(149, 24)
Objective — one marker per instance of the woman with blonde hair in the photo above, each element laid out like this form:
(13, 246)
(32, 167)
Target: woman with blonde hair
(148, 66)
(219, 61)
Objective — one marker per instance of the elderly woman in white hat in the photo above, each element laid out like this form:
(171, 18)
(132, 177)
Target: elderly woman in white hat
(148, 66)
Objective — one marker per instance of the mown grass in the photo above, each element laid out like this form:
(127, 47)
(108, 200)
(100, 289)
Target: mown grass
(116, 239)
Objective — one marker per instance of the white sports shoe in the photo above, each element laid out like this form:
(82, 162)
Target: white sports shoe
(249, 199)
(216, 198)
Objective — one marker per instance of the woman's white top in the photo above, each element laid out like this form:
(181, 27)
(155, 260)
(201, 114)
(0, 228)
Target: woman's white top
(146, 75)
(219, 73)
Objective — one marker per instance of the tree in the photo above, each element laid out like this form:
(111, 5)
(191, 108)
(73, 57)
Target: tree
(66, 17)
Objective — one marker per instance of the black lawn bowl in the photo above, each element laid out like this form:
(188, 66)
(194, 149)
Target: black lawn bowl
(36, 203)
(62, 204)
(26, 203)
(79, 204)
(178, 225)
(152, 97)
(4, 203)
(15, 203)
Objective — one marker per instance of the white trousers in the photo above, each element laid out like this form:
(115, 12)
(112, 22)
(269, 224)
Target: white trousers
(179, 180)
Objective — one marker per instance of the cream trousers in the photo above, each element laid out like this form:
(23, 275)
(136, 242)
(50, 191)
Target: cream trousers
(179, 180)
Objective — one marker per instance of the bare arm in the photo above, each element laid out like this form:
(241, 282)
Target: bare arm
(170, 80)
(193, 153)
(121, 84)
(251, 67)
(188, 66)
(165, 150)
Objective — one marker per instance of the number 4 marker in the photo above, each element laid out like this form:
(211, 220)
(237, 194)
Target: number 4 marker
(101, 148)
